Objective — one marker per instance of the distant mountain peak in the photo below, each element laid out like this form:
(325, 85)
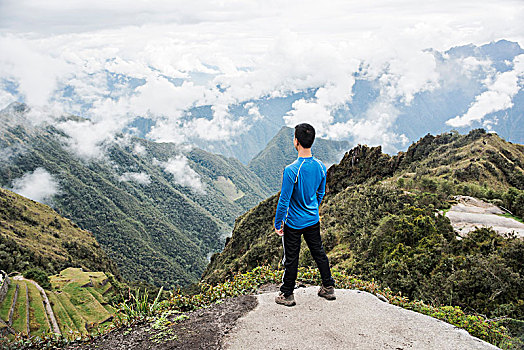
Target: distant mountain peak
(269, 163)
(15, 107)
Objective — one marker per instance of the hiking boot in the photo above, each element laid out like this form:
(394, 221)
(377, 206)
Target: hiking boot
(327, 292)
(287, 301)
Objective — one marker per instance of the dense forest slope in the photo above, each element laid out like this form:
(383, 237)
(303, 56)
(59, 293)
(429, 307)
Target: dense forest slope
(32, 235)
(157, 210)
(380, 220)
(279, 152)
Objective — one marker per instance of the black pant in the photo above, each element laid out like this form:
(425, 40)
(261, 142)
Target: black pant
(291, 241)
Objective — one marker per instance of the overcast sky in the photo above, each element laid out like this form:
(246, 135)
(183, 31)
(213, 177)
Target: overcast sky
(253, 48)
(472, 20)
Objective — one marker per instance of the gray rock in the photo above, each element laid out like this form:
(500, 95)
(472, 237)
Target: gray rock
(382, 298)
(354, 321)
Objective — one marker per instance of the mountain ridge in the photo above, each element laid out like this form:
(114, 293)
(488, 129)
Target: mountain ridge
(370, 164)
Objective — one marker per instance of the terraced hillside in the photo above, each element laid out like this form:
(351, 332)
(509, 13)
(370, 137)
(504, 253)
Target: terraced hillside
(23, 309)
(78, 301)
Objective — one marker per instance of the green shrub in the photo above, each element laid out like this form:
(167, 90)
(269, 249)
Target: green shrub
(39, 277)
(491, 331)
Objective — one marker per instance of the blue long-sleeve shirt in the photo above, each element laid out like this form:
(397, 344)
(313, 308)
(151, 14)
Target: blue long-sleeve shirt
(303, 187)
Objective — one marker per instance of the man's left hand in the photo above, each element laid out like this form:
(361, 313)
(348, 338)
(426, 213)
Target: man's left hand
(280, 231)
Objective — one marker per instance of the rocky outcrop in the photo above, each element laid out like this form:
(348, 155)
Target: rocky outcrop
(356, 320)
(471, 213)
(5, 329)
(360, 164)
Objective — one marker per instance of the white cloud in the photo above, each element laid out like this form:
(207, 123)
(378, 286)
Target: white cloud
(182, 173)
(30, 118)
(374, 128)
(62, 16)
(38, 185)
(220, 127)
(253, 111)
(309, 112)
(160, 97)
(6, 98)
(141, 178)
(407, 76)
(459, 73)
(168, 130)
(472, 64)
(498, 96)
(139, 149)
(217, 53)
(35, 70)
(87, 138)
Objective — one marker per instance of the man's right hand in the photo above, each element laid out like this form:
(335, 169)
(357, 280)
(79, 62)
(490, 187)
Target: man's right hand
(280, 231)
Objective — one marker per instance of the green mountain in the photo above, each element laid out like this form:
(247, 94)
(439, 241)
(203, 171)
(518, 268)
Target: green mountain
(158, 212)
(279, 152)
(382, 219)
(32, 235)
(476, 159)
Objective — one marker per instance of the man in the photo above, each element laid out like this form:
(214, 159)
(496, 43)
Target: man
(303, 186)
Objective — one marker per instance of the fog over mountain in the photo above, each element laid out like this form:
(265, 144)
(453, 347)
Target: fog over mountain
(157, 209)
(227, 76)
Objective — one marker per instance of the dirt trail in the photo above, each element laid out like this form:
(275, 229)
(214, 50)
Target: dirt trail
(47, 305)
(470, 213)
(204, 329)
(356, 320)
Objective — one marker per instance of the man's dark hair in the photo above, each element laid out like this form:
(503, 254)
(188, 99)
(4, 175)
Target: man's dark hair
(305, 134)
